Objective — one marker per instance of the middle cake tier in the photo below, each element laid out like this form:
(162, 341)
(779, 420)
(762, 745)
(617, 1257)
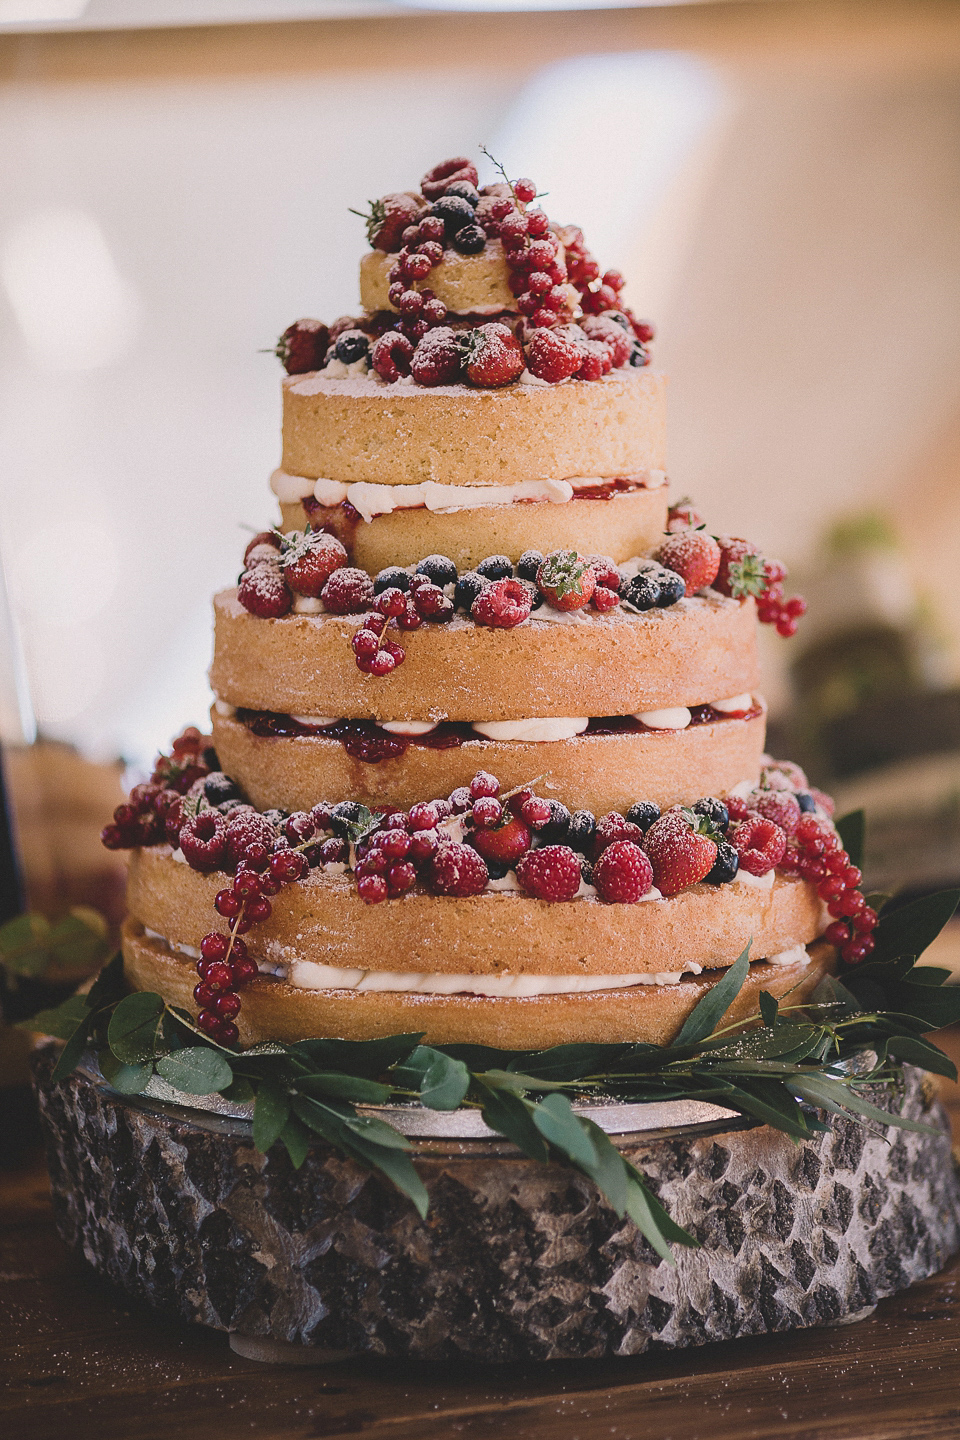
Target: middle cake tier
(700, 650)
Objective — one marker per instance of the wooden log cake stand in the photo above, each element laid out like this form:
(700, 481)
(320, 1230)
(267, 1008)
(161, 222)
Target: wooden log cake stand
(516, 1260)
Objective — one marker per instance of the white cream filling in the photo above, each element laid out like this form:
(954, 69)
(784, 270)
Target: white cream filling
(314, 719)
(408, 727)
(677, 718)
(534, 729)
(754, 882)
(308, 605)
(560, 617)
(734, 703)
(309, 975)
(793, 956)
(339, 370)
(223, 708)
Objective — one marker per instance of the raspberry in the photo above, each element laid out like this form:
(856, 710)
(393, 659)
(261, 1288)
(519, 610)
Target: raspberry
(550, 873)
(267, 544)
(347, 591)
(245, 828)
(595, 361)
(438, 358)
(760, 843)
(552, 357)
(391, 356)
(437, 181)
(623, 874)
(565, 580)
(694, 556)
(203, 840)
(612, 828)
(779, 806)
(310, 559)
(503, 603)
(604, 599)
(601, 328)
(264, 592)
(303, 346)
(455, 870)
(494, 355)
(680, 856)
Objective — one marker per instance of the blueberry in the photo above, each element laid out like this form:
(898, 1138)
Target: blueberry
(496, 567)
(586, 872)
(557, 827)
(672, 588)
(536, 599)
(464, 191)
(455, 212)
(495, 871)
(438, 569)
(210, 758)
(725, 866)
(225, 807)
(806, 801)
(618, 317)
(581, 830)
(392, 578)
(470, 240)
(351, 345)
(714, 810)
(639, 355)
(528, 565)
(344, 814)
(219, 787)
(642, 592)
(468, 588)
(643, 813)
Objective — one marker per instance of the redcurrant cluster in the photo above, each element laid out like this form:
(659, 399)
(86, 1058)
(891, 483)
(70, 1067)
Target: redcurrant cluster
(744, 571)
(598, 292)
(816, 853)
(773, 608)
(407, 610)
(142, 819)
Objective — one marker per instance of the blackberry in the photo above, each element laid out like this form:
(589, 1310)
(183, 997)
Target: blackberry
(391, 578)
(438, 569)
(725, 866)
(496, 567)
(806, 801)
(454, 211)
(581, 830)
(219, 787)
(528, 565)
(351, 345)
(345, 814)
(468, 588)
(586, 872)
(464, 191)
(275, 817)
(714, 810)
(642, 592)
(225, 807)
(470, 240)
(643, 814)
(672, 588)
(554, 832)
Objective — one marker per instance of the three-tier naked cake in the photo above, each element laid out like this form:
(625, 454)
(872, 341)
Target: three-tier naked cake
(487, 754)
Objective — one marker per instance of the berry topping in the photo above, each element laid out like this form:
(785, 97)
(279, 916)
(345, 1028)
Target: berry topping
(470, 240)
(741, 568)
(456, 214)
(503, 603)
(391, 356)
(438, 569)
(760, 843)
(431, 603)
(683, 516)
(779, 806)
(493, 355)
(550, 873)
(456, 870)
(713, 810)
(483, 785)
(496, 567)
(643, 814)
(466, 191)
(264, 592)
(643, 591)
(468, 588)
(308, 561)
(581, 829)
(552, 356)
(528, 565)
(566, 580)
(725, 866)
(672, 588)
(348, 591)
(351, 346)
(694, 556)
(623, 874)
(392, 578)
(502, 844)
(438, 358)
(603, 329)
(203, 840)
(303, 346)
(615, 827)
(679, 853)
(263, 547)
(389, 217)
(437, 181)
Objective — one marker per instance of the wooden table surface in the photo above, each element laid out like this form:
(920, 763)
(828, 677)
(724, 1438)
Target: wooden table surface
(79, 1361)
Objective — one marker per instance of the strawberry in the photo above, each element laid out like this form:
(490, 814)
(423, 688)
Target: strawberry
(493, 355)
(565, 580)
(742, 569)
(623, 874)
(309, 559)
(505, 844)
(302, 346)
(694, 556)
(389, 217)
(683, 516)
(680, 850)
(550, 873)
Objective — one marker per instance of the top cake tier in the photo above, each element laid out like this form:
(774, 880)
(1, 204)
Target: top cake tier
(358, 429)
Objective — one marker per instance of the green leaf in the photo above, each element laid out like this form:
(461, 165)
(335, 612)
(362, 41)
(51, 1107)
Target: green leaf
(127, 1079)
(769, 1008)
(707, 1013)
(443, 1081)
(271, 1111)
(240, 1091)
(833, 1094)
(510, 1117)
(344, 1087)
(909, 929)
(398, 1167)
(557, 1123)
(852, 830)
(24, 945)
(569, 1062)
(356, 1057)
(652, 1220)
(296, 1137)
(73, 1050)
(609, 1171)
(377, 1132)
(196, 1070)
(768, 1101)
(519, 1083)
(132, 1032)
(61, 1021)
(916, 1051)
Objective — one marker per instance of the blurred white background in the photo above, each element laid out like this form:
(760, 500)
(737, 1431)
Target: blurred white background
(778, 182)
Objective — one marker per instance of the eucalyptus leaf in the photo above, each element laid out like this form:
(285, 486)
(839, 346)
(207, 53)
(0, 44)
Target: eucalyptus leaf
(356, 1057)
(132, 1032)
(557, 1123)
(821, 1090)
(910, 928)
(569, 1062)
(519, 1083)
(510, 1116)
(710, 1009)
(609, 1171)
(73, 1051)
(852, 831)
(345, 1087)
(296, 1137)
(239, 1091)
(916, 1051)
(644, 1214)
(444, 1081)
(271, 1111)
(61, 1021)
(769, 1008)
(196, 1070)
(398, 1167)
(127, 1079)
(377, 1132)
